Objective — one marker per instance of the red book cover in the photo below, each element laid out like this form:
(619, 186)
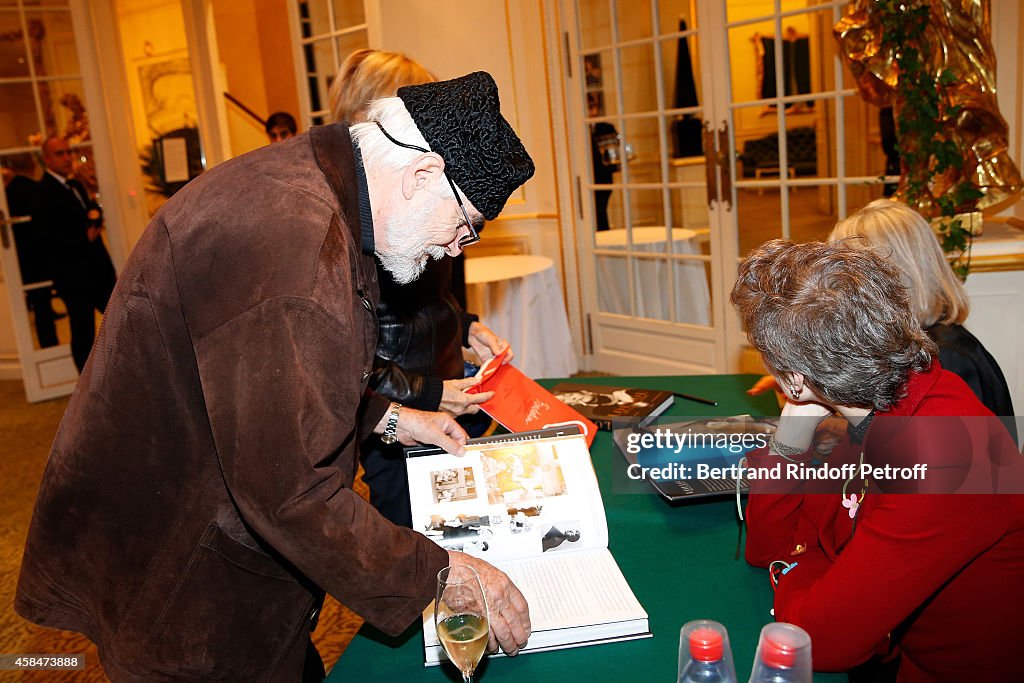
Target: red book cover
(521, 405)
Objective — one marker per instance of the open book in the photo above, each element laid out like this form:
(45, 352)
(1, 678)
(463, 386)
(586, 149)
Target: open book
(529, 503)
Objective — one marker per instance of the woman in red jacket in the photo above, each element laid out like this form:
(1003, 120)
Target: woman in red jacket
(884, 567)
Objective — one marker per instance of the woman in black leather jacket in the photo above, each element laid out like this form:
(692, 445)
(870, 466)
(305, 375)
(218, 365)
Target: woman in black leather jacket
(422, 328)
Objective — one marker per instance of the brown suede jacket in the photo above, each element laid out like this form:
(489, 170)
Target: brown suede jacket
(197, 499)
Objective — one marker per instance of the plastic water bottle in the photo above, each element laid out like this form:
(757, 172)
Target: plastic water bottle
(704, 653)
(783, 655)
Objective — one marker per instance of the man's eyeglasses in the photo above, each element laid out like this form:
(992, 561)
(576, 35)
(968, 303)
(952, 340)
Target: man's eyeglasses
(473, 237)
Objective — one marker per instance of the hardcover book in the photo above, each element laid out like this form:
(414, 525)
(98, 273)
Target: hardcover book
(521, 405)
(529, 504)
(607, 406)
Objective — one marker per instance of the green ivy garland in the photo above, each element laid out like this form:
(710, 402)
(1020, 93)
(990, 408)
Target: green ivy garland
(925, 152)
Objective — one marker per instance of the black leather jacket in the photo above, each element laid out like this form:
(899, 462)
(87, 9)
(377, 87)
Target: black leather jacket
(422, 332)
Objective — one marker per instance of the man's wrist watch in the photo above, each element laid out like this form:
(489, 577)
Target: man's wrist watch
(390, 435)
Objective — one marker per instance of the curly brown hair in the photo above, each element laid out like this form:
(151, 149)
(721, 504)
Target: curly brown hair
(834, 313)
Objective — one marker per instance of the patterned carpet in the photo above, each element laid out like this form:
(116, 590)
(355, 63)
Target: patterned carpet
(27, 431)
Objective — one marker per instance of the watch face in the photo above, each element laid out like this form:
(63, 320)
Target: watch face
(389, 439)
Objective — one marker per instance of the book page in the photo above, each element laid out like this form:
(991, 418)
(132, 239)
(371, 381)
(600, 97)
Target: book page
(503, 501)
(573, 598)
(581, 588)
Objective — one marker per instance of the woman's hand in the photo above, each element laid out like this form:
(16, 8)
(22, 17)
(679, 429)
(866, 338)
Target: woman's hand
(486, 344)
(456, 401)
(798, 423)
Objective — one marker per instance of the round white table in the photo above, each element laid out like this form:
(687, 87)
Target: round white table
(651, 276)
(519, 297)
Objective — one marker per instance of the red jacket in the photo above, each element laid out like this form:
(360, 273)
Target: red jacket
(945, 572)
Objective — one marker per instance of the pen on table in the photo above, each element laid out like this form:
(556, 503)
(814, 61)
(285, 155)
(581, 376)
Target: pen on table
(698, 399)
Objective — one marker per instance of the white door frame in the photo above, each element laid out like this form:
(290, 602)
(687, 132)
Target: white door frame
(622, 343)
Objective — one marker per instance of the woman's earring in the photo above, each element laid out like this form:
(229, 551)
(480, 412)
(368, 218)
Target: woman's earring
(794, 392)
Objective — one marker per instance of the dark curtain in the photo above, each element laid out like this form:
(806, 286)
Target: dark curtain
(686, 130)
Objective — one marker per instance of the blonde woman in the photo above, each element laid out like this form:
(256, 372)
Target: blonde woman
(937, 296)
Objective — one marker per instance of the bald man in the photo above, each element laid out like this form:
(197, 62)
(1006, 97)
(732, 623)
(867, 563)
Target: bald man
(69, 222)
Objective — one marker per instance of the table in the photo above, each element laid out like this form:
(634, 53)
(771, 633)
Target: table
(519, 297)
(680, 561)
(651, 277)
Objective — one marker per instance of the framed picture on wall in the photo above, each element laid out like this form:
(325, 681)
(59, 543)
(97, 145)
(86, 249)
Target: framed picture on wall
(592, 71)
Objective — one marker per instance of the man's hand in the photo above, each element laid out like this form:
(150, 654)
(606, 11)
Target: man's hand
(508, 613)
(485, 343)
(418, 426)
(456, 401)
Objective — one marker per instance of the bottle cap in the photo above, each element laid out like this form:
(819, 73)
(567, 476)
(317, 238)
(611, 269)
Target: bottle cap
(778, 655)
(783, 646)
(705, 644)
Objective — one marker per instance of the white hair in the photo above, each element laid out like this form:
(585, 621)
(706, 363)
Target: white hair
(379, 152)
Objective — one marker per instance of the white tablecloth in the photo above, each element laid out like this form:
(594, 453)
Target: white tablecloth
(651, 278)
(519, 297)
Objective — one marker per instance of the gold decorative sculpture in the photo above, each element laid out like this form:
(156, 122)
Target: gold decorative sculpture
(955, 47)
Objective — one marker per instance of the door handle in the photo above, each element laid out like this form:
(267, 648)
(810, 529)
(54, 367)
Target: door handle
(724, 170)
(710, 179)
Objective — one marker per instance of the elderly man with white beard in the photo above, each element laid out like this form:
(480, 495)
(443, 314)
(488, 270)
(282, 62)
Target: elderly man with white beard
(197, 503)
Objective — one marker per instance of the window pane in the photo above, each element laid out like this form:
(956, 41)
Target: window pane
(691, 300)
(680, 72)
(599, 78)
(647, 213)
(63, 105)
(595, 23)
(14, 63)
(634, 19)
(320, 68)
(53, 39)
(18, 108)
(316, 18)
(639, 89)
(613, 284)
(641, 150)
(672, 13)
(349, 43)
(607, 211)
(348, 13)
(689, 203)
(752, 62)
(759, 216)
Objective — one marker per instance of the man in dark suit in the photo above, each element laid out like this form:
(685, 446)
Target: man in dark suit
(70, 222)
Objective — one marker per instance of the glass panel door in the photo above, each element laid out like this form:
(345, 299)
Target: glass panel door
(329, 30)
(41, 95)
(639, 96)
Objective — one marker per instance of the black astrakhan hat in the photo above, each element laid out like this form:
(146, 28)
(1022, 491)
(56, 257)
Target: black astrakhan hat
(461, 121)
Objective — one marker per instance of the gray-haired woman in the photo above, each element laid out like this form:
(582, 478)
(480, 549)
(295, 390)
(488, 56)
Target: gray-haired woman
(877, 571)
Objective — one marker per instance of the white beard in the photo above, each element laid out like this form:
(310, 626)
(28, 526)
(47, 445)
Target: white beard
(408, 247)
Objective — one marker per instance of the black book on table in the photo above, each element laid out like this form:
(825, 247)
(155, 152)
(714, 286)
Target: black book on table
(613, 406)
(719, 446)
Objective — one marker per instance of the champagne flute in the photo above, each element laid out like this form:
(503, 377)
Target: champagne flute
(460, 616)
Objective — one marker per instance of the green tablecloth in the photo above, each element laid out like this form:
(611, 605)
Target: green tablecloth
(683, 562)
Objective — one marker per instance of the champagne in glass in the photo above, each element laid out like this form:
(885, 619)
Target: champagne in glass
(460, 616)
